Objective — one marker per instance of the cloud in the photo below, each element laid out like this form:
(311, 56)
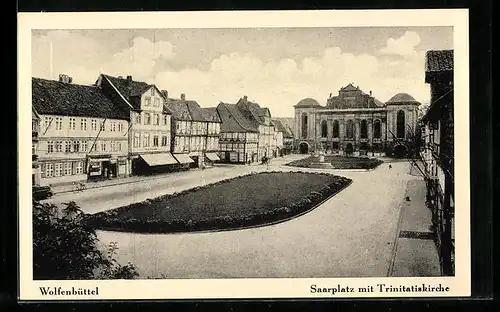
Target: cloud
(403, 46)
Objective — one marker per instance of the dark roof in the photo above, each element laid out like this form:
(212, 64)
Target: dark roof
(402, 98)
(233, 120)
(282, 127)
(185, 110)
(307, 102)
(130, 90)
(57, 98)
(253, 112)
(439, 60)
(210, 114)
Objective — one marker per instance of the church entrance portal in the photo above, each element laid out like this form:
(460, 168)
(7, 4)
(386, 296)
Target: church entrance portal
(304, 148)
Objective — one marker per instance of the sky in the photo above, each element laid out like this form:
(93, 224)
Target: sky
(275, 67)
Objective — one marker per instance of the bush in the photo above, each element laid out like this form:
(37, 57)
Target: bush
(65, 247)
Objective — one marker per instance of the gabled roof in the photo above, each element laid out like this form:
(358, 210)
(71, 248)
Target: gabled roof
(349, 87)
(281, 127)
(210, 114)
(51, 97)
(439, 60)
(233, 120)
(253, 112)
(131, 90)
(187, 110)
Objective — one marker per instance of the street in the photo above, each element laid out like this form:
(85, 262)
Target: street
(352, 234)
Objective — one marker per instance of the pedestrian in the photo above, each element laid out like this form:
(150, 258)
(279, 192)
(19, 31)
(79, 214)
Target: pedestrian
(390, 166)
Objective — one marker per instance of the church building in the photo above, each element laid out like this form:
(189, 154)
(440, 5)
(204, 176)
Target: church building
(355, 123)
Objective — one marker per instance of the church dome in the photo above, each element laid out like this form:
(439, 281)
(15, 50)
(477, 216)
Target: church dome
(307, 102)
(402, 98)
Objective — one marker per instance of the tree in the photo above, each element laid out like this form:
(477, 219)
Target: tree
(65, 247)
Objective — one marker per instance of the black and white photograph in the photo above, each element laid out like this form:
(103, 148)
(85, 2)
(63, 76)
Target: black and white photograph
(188, 158)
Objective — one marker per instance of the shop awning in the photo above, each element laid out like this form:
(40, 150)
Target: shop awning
(159, 159)
(212, 156)
(183, 158)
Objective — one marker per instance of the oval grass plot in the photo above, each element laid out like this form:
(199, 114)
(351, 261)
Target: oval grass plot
(338, 162)
(244, 201)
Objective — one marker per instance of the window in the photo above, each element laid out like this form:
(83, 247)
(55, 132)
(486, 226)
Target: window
(146, 140)
(156, 120)
(400, 125)
(83, 124)
(58, 146)
(102, 125)
(58, 123)
(153, 92)
(157, 102)
(335, 130)
(137, 140)
(113, 146)
(67, 148)
(148, 119)
(67, 168)
(76, 146)
(324, 129)
(49, 170)
(165, 120)
(118, 146)
(155, 140)
(113, 126)
(94, 125)
(364, 129)
(72, 123)
(148, 100)
(58, 170)
(120, 127)
(164, 140)
(350, 129)
(377, 133)
(84, 146)
(138, 118)
(304, 125)
(33, 148)
(79, 167)
(103, 146)
(48, 121)
(50, 146)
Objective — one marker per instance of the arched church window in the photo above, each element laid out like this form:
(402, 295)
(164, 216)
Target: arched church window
(324, 129)
(350, 129)
(304, 125)
(364, 129)
(400, 125)
(377, 129)
(335, 130)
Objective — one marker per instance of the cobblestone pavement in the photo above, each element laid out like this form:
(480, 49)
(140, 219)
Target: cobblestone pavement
(351, 234)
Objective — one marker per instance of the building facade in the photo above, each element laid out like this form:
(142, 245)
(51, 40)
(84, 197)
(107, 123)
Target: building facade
(239, 138)
(356, 123)
(438, 153)
(194, 132)
(149, 130)
(35, 129)
(82, 135)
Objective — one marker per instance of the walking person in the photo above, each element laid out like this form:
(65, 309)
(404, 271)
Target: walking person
(390, 166)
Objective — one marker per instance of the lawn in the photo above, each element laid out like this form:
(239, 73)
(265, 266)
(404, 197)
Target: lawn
(339, 162)
(238, 202)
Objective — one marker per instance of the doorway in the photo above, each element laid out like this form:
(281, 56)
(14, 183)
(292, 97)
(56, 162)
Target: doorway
(349, 149)
(304, 148)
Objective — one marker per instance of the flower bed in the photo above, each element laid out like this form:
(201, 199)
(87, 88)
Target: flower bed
(338, 162)
(244, 201)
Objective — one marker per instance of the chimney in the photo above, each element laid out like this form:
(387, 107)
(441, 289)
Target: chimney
(183, 96)
(330, 95)
(129, 78)
(65, 78)
(165, 93)
(370, 92)
(245, 98)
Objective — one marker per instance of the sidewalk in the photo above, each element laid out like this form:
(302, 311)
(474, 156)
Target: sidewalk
(415, 252)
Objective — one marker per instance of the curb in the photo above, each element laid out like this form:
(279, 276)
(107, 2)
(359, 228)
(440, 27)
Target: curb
(243, 227)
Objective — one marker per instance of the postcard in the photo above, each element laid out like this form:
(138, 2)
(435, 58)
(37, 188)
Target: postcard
(244, 155)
